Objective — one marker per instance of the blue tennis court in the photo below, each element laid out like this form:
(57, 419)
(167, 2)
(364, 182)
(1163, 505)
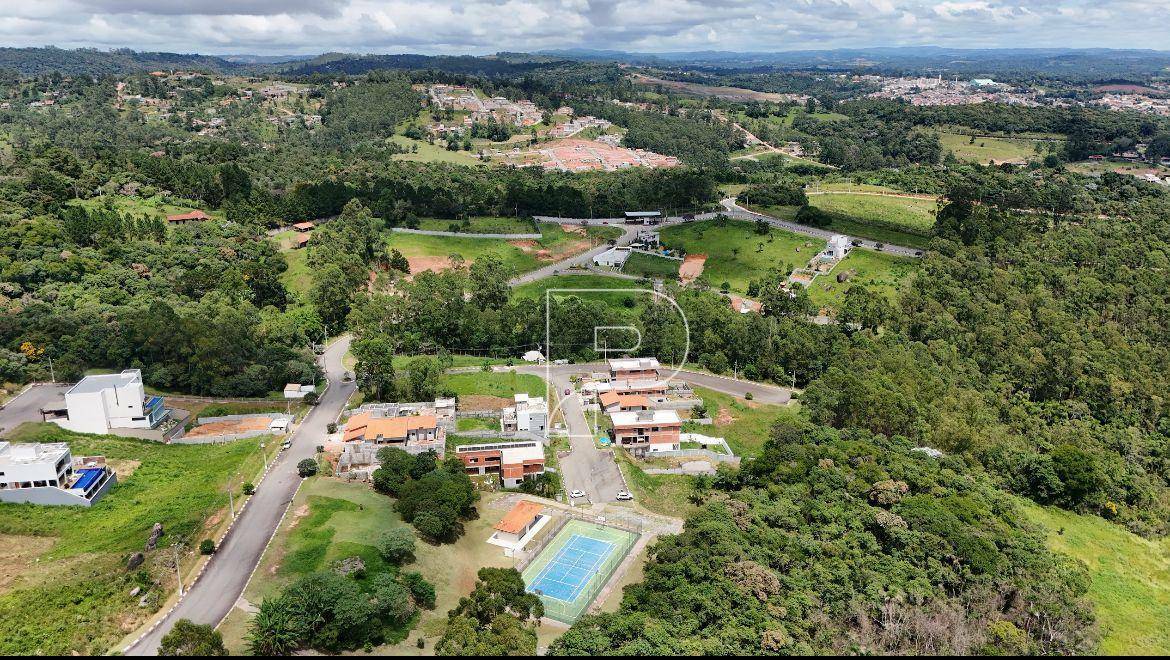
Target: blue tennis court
(567, 574)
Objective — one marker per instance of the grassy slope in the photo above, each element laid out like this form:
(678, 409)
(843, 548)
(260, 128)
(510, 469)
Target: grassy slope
(556, 240)
(756, 253)
(989, 149)
(751, 422)
(74, 596)
(910, 214)
(878, 271)
(653, 266)
(1130, 577)
(501, 384)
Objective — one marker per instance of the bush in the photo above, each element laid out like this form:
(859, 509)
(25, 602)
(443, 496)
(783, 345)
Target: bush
(307, 468)
(311, 399)
(249, 488)
(192, 639)
(421, 591)
(397, 545)
(207, 547)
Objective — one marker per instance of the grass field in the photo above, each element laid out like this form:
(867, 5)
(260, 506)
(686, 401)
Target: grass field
(745, 425)
(736, 253)
(1130, 578)
(524, 256)
(64, 584)
(480, 225)
(433, 153)
(877, 271)
(987, 150)
(154, 206)
(665, 494)
(628, 303)
(652, 266)
(496, 383)
(907, 214)
(330, 518)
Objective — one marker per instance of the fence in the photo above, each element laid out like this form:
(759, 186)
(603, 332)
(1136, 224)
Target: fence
(621, 542)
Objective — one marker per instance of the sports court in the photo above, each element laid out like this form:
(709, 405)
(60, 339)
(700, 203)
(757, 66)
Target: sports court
(570, 571)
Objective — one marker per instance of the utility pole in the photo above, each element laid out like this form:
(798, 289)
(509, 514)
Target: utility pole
(52, 374)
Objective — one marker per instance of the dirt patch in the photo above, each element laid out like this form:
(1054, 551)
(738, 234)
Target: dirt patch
(122, 468)
(574, 229)
(691, 267)
(17, 554)
(433, 264)
(213, 520)
(525, 245)
(724, 417)
(229, 427)
(479, 402)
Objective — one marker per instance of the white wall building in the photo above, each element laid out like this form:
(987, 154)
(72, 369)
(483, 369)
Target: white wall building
(527, 414)
(97, 404)
(838, 247)
(615, 257)
(45, 474)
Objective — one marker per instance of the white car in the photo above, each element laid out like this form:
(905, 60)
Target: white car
(624, 496)
(576, 494)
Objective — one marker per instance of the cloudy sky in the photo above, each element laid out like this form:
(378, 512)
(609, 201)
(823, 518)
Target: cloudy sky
(484, 26)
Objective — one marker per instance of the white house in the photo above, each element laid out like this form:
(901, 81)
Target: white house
(45, 474)
(298, 391)
(615, 257)
(838, 247)
(99, 403)
(526, 414)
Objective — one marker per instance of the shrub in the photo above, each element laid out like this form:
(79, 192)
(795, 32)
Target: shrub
(249, 488)
(397, 545)
(307, 468)
(207, 547)
(192, 639)
(421, 591)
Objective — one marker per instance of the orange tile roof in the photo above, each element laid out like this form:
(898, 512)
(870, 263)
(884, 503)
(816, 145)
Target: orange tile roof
(192, 215)
(627, 400)
(303, 225)
(608, 399)
(363, 425)
(519, 517)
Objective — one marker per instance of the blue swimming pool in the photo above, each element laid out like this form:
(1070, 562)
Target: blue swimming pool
(88, 477)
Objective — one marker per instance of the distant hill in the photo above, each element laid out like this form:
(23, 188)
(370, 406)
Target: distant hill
(36, 61)
(494, 65)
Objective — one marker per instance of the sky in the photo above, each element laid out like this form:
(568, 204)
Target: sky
(299, 27)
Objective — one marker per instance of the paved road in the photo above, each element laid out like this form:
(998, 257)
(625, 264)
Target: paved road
(213, 596)
(629, 233)
(27, 407)
(734, 210)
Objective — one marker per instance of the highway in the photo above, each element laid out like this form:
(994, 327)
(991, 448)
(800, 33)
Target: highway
(215, 593)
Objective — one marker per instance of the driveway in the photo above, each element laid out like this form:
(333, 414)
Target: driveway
(215, 593)
(27, 407)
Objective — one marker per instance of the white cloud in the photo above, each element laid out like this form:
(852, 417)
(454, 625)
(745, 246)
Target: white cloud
(481, 26)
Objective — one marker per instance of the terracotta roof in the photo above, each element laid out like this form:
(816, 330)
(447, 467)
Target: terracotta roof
(519, 517)
(302, 238)
(303, 225)
(363, 425)
(192, 215)
(608, 399)
(627, 400)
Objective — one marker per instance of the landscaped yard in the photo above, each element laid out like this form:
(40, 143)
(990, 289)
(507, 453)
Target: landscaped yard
(331, 519)
(64, 585)
(877, 271)
(1130, 577)
(736, 253)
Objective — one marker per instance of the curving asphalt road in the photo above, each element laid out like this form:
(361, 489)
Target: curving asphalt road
(222, 582)
(734, 210)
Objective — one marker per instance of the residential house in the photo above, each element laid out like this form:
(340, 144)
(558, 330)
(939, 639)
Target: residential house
(517, 523)
(647, 431)
(301, 240)
(612, 402)
(298, 391)
(527, 413)
(633, 368)
(413, 433)
(184, 218)
(513, 462)
(39, 473)
(304, 226)
(97, 404)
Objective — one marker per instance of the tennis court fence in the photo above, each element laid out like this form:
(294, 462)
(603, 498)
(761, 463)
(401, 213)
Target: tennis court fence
(569, 612)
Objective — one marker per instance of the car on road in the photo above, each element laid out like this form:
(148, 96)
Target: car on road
(624, 496)
(285, 445)
(576, 494)
(568, 391)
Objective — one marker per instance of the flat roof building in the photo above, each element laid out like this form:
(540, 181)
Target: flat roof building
(45, 473)
(633, 368)
(512, 461)
(647, 431)
(527, 413)
(97, 404)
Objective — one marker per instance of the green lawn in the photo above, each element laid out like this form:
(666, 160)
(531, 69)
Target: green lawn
(907, 214)
(665, 494)
(736, 253)
(433, 153)
(877, 271)
(652, 266)
(629, 303)
(477, 424)
(987, 150)
(524, 256)
(155, 206)
(298, 278)
(480, 225)
(72, 593)
(746, 424)
(1130, 578)
(496, 383)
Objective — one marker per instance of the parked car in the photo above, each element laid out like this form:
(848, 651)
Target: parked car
(285, 445)
(568, 391)
(624, 496)
(576, 494)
